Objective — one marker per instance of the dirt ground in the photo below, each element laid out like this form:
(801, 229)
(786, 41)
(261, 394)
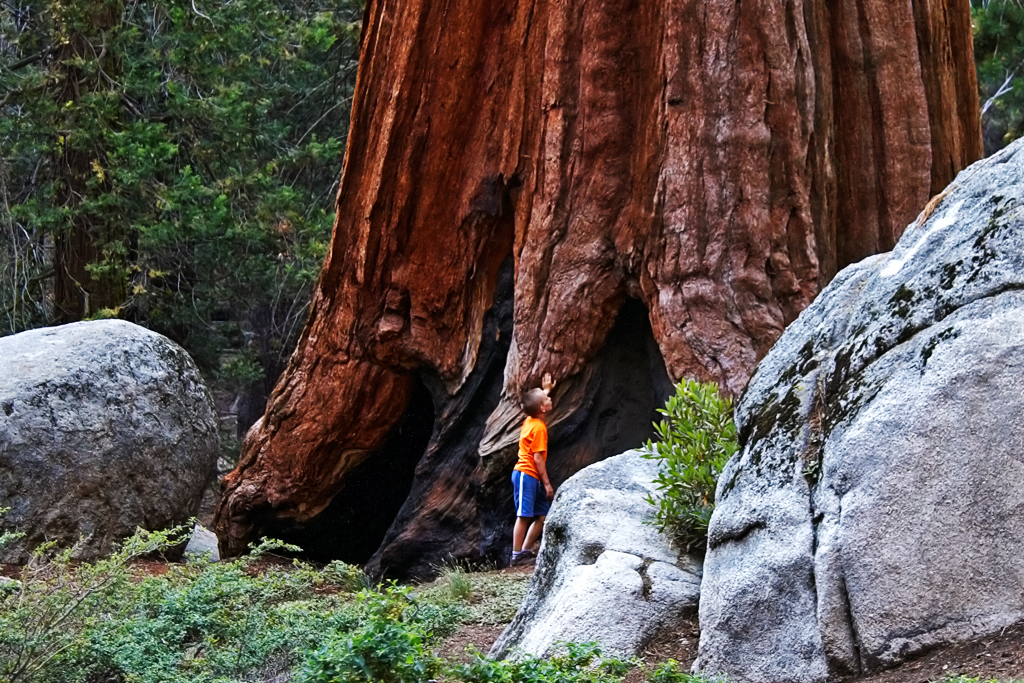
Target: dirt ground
(999, 657)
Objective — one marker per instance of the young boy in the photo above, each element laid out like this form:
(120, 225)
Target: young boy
(532, 490)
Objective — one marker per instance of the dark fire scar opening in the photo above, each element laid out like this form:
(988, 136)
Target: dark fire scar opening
(353, 525)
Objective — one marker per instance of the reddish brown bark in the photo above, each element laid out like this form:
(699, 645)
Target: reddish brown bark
(716, 161)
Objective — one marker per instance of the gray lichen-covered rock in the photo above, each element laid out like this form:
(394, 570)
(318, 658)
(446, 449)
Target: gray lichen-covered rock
(876, 507)
(603, 574)
(104, 427)
(202, 544)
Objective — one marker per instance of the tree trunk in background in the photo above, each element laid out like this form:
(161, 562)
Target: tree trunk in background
(621, 193)
(77, 294)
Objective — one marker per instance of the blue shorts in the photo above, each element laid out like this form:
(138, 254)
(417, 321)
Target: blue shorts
(531, 500)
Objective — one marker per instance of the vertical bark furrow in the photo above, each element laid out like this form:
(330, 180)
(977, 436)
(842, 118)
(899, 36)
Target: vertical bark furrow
(882, 124)
(943, 39)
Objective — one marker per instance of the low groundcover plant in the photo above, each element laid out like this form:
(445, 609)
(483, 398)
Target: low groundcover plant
(129, 618)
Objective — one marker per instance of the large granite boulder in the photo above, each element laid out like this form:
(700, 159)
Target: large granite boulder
(876, 507)
(104, 427)
(603, 573)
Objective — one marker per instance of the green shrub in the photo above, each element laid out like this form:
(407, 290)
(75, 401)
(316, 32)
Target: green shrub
(218, 620)
(45, 619)
(574, 663)
(384, 652)
(390, 646)
(73, 622)
(247, 619)
(671, 672)
(695, 440)
(346, 577)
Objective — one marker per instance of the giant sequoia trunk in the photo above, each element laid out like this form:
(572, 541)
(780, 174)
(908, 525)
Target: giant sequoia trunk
(619, 192)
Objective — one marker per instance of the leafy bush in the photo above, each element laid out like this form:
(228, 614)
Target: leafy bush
(248, 619)
(575, 663)
(695, 440)
(45, 617)
(671, 672)
(385, 652)
(214, 619)
(109, 620)
(389, 647)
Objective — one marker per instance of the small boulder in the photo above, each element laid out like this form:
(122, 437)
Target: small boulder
(603, 573)
(202, 544)
(874, 509)
(104, 427)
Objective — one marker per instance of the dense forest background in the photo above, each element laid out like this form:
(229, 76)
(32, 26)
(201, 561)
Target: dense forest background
(999, 56)
(175, 163)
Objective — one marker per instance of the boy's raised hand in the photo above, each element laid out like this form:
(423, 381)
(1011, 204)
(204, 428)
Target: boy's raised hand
(546, 383)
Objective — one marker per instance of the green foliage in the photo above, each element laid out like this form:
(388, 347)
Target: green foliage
(346, 576)
(381, 651)
(212, 621)
(575, 663)
(390, 645)
(672, 672)
(44, 620)
(173, 164)
(695, 439)
(226, 621)
(255, 618)
(999, 58)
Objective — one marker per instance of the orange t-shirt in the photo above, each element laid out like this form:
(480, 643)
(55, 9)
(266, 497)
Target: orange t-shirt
(533, 438)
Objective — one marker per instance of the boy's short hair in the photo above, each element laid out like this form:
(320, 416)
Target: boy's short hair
(532, 401)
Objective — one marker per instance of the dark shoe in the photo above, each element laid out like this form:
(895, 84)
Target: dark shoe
(524, 558)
